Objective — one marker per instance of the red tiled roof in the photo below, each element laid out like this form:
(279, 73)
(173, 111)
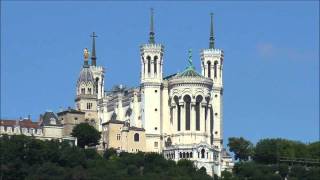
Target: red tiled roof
(26, 123)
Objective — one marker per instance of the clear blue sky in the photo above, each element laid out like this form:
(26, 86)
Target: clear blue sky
(271, 67)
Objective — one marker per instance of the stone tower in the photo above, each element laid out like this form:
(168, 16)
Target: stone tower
(151, 81)
(86, 95)
(212, 67)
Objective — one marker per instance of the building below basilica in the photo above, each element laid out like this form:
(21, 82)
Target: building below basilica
(179, 115)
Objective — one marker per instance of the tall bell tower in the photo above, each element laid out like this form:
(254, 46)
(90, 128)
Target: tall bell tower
(151, 81)
(212, 67)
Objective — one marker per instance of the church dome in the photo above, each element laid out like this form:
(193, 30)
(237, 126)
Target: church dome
(85, 75)
(189, 72)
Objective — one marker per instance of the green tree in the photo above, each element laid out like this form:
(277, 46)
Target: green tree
(226, 175)
(241, 148)
(314, 150)
(109, 153)
(86, 135)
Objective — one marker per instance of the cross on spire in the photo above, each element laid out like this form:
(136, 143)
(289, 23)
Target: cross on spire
(211, 39)
(151, 33)
(93, 54)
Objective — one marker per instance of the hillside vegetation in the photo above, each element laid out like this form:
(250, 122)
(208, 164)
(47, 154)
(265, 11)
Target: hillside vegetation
(28, 158)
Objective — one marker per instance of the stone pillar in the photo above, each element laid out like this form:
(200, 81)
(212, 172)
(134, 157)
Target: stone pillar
(193, 117)
(174, 118)
(183, 116)
(158, 68)
(152, 67)
(202, 116)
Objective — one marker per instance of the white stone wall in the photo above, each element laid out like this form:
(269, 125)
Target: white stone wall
(54, 132)
(215, 66)
(98, 72)
(180, 88)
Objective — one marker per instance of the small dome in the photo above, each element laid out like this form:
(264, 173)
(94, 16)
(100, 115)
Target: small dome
(85, 75)
(189, 72)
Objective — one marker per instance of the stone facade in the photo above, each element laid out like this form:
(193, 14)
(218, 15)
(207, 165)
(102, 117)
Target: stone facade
(70, 118)
(177, 114)
(46, 128)
(121, 136)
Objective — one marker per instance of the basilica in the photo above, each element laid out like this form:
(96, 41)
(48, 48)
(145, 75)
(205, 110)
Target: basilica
(179, 115)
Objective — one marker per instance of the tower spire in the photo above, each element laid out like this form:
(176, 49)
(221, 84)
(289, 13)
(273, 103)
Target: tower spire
(93, 53)
(211, 39)
(151, 34)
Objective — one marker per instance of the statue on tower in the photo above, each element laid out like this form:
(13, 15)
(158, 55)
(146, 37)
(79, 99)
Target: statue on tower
(86, 53)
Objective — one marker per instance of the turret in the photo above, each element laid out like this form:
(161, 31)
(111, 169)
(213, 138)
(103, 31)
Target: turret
(212, 67)
(151, 80)
(151, 58)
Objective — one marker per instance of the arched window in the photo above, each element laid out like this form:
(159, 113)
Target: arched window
(215, 69)
(180, 154)
(198, 103)
(136, 137)
(149, 64)
(184, 155)
(176, 99)
(128, 112)
(202, 153)
(53, 121)
(187, 155)
(187, 101)
(209, 69)
(113, 116)
(83, 90)
(96, 85)
(89, 90)
(155, 64)
(191, 155)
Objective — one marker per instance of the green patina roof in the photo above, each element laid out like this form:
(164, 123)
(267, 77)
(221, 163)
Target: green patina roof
(190, 71)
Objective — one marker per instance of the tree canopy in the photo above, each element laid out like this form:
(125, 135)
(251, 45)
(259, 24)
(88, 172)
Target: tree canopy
(266, 163)
(86, 135)
(241, 148)
(28, 158)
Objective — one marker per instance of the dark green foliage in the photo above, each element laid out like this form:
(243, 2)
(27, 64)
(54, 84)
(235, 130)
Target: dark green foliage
(86, 135)
(241, 148)
(266, 164)
(28, 158)
(109, 153)
(268, 151)
(313, 150)
(226, 175)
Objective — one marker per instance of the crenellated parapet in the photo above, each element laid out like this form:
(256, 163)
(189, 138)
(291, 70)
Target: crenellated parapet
(209, 53)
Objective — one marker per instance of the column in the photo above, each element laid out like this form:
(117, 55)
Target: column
(174, 118)
(142, 71)
(202, 116)
(193, 117)
(152, 68)
(183, 116)
(158, 68)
